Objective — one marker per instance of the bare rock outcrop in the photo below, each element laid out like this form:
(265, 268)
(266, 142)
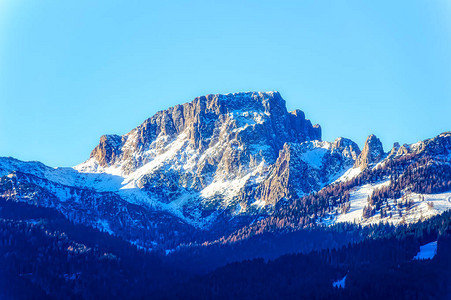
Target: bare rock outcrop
(108, 150)
(371, 154)
(306, 167)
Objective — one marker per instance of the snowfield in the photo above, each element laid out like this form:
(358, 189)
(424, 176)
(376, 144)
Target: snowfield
(358, 201)
(424, 206)
(427, 251)
(349, 174)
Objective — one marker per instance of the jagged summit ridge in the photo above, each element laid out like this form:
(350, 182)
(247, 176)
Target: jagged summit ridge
(204, 120)
(216, 149)
(372, 153)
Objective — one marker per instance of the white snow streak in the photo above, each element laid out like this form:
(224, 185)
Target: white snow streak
(340, 283)
(427, 251)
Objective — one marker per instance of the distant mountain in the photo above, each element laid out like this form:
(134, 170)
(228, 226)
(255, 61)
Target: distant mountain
(223, 165)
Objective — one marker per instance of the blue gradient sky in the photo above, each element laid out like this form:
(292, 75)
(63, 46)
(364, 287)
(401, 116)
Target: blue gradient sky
(71, 71)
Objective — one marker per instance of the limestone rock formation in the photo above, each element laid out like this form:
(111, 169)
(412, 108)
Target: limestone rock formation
(242, 120)
(211, 152)
(306, 167)
(108, 150)
(371, 154)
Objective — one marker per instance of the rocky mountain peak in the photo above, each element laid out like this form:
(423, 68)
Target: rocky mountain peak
(372, 153)
(222, 151)
(349, 148)
(253, 124)
(108, 150)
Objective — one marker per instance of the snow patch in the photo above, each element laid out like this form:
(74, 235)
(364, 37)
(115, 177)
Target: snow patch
(314, 157)
(423, 206)
(104, 226)
(340, 283)
(427, 251)
(349, 174)
(358, 200)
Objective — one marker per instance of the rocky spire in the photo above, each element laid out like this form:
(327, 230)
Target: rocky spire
(371, 153)
(108, 149)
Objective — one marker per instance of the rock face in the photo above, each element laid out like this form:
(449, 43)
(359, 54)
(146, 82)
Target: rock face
(393, 152)
(108, 150)
(207, 154)
(371, 154)
(306, 167)
(242, 120)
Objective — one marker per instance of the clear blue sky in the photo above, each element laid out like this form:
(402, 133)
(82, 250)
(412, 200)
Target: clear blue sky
(71, 71)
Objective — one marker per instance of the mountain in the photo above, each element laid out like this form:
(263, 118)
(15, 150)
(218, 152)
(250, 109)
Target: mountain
(220, 163)
(213, 154)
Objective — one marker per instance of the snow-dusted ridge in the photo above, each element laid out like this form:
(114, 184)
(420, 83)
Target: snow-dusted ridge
(234, 152)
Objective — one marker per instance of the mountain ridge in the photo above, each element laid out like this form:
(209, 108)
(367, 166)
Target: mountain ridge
(213, 165)
(232, 139)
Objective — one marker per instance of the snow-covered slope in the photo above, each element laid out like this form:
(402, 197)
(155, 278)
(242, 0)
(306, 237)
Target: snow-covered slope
(422, 206)
(427, 251)
(425, 166)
